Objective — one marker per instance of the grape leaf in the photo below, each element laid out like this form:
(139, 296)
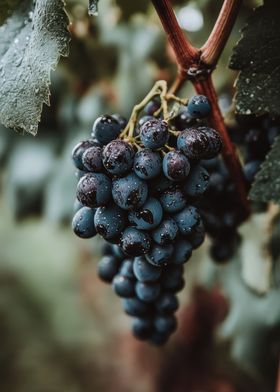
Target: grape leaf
(31, 41)
(93, 7)
(257, 56)
(266, 187)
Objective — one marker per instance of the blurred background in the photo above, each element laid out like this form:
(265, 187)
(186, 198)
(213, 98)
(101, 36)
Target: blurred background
(61, 328)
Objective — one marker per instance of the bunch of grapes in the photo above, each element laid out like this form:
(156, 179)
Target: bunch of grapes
(139, 187)
(220, 208)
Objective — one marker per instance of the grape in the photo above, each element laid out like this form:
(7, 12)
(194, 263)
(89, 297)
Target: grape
(120, 119)
(108, 268)
(167, 303)
(79, 150)
(148, 216)
(147, 164)
(147, 291)
(182, 251)
(172, 278)
(109, 221)
(166, 232)
(117, 252)
(199, 143)
(80, 173)
(160, 255)
(187, 219)
(118, 157)
(173, 200)
(92, 159)
(94, 190)
(176, 166)
(123, 286)
(152, 107)
(250, 170)
(165, 324)
(126, 269)
(256, 142)
(144, 271)
(158, 339)
(135, 242)
(142, 328)
(77, 206)
(183, 120)
(272, 134)
(198, 235)
(82, 223)
(197, 182)
(160, 184)
(105, 129)
(135, 307)
(154, 133)
(199, 106)
(129, 192)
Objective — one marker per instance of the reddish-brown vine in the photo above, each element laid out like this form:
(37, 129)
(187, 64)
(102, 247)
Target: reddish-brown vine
(197, 65)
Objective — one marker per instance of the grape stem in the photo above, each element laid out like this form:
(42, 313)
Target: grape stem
(159, 89)
(197, 65)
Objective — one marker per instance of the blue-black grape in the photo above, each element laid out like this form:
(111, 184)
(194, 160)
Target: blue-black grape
(172, 278)
(154, 133)
(118, 157)
(135, 307)
(199, 143)
(129, 192)
(126, 269)
(173, 200)
(167, 303)
(135, 242)
(199, 106)
(94, 190)
(92, 159)
(152, 107)
(160, 255)
(197, 182)
(123, 286)
(79, 150)
(109, 221)
(147, 164)
(176, 166)
(142, 328)
(105, 129)
(147, 291)
(144, 271)
(182, 251)
(83, 223)
(166, 232)
(187, 219)
(165, 324)
(108, 268)
(148, 216)
(250, 170)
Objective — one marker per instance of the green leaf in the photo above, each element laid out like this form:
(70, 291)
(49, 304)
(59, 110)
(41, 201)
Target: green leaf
(266, 187)
(93, 7)
(31, 42)
(257, 56)
(6, 7)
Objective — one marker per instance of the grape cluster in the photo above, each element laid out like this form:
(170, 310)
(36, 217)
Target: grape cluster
(139, 193)
(256, 142)
(220, 207)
